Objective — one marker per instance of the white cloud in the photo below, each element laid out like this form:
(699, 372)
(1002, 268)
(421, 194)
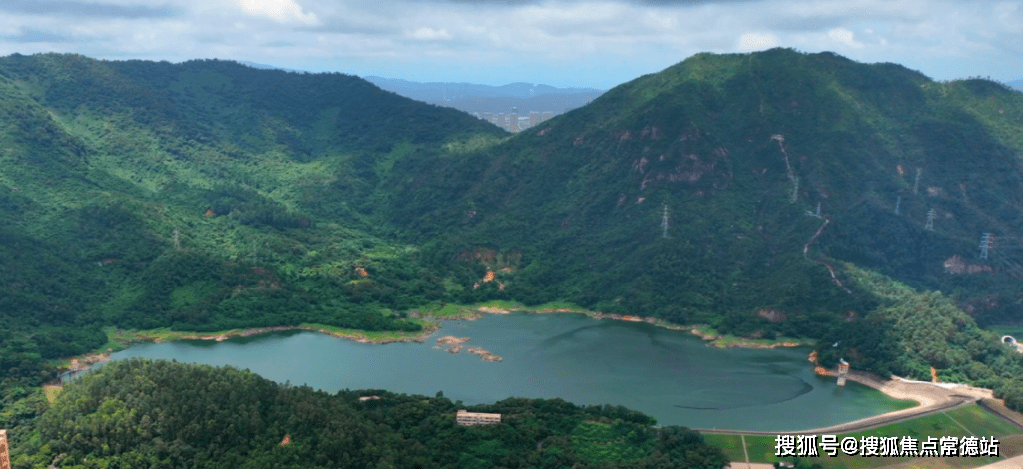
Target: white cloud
(844, 37)
(430, 34)
(281, 11)
(585, 42)
(756, 41)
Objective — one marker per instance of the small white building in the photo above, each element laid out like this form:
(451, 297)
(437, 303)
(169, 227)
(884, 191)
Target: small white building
(476, 418)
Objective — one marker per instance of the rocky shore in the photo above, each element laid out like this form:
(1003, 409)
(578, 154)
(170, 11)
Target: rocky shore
(485, 355)
(454, 345)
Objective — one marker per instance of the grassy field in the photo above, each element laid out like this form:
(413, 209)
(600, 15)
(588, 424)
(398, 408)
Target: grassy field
(1015, 331)
(51, 392)
(120, 339)
(981, 422)
(730, 444)
(970, 420)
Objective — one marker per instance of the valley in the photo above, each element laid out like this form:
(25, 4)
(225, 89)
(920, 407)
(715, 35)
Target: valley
(778, 201)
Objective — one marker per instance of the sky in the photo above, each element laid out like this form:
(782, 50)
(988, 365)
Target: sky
(579, 43)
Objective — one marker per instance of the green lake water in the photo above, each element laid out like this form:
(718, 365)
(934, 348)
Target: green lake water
(670, 375)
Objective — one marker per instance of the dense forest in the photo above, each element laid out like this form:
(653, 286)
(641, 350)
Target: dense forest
(142, 414)
(201, 196)
(768, 194)
(772, 194)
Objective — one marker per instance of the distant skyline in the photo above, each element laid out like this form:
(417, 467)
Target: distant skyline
(563, 43)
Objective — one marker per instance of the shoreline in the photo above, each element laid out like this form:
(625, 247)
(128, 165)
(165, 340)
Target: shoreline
(702, 331)
(930, 397)
(123, 339)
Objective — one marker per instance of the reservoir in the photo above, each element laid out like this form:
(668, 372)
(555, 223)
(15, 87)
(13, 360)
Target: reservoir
(670, 375)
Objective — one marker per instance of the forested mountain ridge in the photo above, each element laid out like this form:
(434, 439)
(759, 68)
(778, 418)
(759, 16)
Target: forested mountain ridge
(779, 173)
(741, 150)
(200, 196)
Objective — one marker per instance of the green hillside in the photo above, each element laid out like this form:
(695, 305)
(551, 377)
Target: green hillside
(741, 150)
(200, 196)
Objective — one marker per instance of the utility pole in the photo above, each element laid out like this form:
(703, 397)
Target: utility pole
(664, 222)
(898, 202)
(985, 242)
(916, 182)
(930, 220)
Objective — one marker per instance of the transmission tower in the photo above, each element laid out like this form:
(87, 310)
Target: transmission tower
(795, 189)
(816, 214)
(664, 222)
(898, 202)
(985, 242)
(930, 220)
(916, 182)
(177, 240)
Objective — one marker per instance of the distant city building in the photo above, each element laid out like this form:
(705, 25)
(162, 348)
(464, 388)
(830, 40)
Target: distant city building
(514, 122)
(476, 418)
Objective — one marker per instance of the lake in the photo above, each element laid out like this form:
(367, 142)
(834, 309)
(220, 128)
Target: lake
(670, 375)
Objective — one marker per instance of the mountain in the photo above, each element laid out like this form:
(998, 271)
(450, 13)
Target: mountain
(268, 67)
(739, 149)
(205, 195)
(747, 192)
